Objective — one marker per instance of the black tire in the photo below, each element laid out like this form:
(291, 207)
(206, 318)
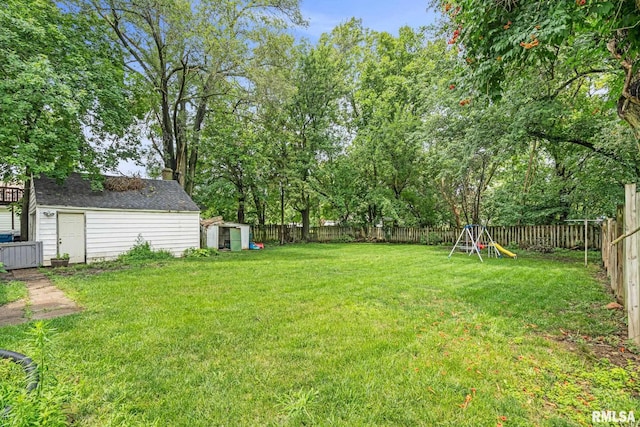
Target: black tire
(29, 366)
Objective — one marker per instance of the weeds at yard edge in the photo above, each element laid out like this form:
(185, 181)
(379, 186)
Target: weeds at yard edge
(610, 362)
(46, 405)
(140, 255)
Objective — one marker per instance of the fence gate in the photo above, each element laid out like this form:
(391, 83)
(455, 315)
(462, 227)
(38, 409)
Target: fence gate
(21, 255)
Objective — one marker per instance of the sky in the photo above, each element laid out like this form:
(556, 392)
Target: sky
(379, 15)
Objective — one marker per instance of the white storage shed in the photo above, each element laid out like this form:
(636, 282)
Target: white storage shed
(220, 234)
(90, 225)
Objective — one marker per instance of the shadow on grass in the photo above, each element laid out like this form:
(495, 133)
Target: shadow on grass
(550, 303)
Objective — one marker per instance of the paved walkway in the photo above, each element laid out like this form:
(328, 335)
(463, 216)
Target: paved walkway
(45, 301)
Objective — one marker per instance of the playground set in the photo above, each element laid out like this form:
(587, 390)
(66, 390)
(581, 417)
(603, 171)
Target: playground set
(476, 238)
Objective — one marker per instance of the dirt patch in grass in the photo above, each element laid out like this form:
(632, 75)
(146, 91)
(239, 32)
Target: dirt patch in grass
(616, 346)
(613, 347)
(89, 269)
(86, 270)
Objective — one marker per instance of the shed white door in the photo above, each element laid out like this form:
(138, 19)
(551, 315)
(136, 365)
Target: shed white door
(71, 236)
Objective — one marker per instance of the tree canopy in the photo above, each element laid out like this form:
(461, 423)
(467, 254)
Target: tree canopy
(500, 39)
(184, 54)
(509, 115)
(64, 102)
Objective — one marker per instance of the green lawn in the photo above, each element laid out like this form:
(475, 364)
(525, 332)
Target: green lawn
(11, 291)
(349, 335)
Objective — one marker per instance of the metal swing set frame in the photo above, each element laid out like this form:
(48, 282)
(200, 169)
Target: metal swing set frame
(473, 234)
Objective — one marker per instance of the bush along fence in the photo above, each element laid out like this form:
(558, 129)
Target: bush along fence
(539, 237)
(620, 251)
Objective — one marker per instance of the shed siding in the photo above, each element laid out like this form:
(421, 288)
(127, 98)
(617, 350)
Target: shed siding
(32, 220)
(111, 233)
(32, 198)
(246, 231)
(46, 232)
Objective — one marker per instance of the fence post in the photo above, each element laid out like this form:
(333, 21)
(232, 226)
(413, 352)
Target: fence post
(620, 254)
(613, 258)
(605, 247)
(632, 296)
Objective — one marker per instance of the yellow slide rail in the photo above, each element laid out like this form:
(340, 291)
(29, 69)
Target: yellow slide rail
(504, 251)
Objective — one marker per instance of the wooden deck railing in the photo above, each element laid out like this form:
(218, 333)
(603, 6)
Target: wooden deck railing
(10, 195)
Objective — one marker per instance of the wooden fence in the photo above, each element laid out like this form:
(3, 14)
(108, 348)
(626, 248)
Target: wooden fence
(613, 255)
(569, 236)
(620, 250)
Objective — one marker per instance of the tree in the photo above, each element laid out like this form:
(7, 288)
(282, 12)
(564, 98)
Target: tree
(63, 101)
(184, 54)
(311, 121)
(64, 106)
(231, 152)
(387, 110)
(501, 39)
(469, 142)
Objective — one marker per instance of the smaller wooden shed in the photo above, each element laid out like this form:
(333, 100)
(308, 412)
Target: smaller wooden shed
(226, 235)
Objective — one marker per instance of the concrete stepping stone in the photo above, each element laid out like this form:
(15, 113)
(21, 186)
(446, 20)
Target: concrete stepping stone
(46, 301)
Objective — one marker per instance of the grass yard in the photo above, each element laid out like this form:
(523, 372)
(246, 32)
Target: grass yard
(355, 334)
(11, 291)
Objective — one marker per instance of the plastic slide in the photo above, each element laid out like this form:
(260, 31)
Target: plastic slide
(504, 251)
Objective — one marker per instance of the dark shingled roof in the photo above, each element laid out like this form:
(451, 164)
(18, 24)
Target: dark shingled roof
(76, 192)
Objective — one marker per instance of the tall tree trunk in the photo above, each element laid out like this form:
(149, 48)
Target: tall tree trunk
(191, 168)
(24, 215)
(479, 190)
(241, 207)
(182, 145)
(201, 113)
(450, 199)
(282, 229)
(168, 145)
(629, 101)
(629, 111)
(564, 193)
(260, 205)
(305, 213)
(456, 216)
(463, 202)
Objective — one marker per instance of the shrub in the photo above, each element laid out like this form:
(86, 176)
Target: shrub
(141, 251)
(542, 246)
(200, 253)
(345, 238)
(431, 239)
(512, 246)
(43, 406)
